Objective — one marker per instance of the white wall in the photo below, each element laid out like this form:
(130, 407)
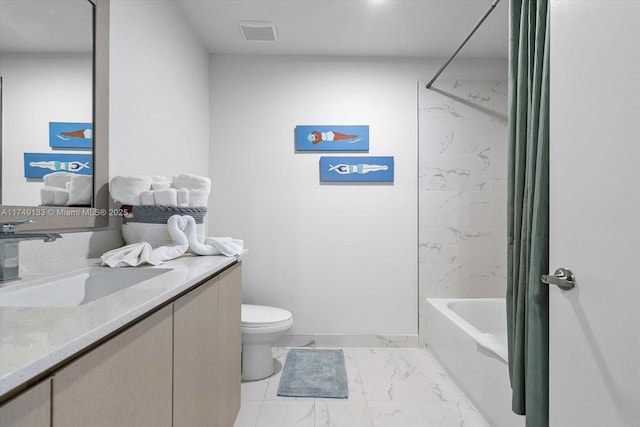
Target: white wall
(342, 258)
(159, 92)
(38, 89)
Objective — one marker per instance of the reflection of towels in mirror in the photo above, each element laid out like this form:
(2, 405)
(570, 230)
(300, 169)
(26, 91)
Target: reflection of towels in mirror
(57, 179)
(53, 196)
(80, 190)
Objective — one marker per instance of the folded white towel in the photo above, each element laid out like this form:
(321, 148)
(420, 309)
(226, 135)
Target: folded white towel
(226, 245)
(147, 199)
(57, 179)
(167, 197)
(54, 196)
(131, 256)
(80, 190)
(127, 189)
(163, 185)
(198, 198)
(142, 253)
(180, 243)
(159, 178)
(192, 182)
(182, 229)
(183, 197)
(212, 245)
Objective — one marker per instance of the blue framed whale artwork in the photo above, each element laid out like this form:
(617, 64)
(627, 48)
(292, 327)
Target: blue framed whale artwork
(356, 169)
(70, 135)
(37, 165)
(332, 138)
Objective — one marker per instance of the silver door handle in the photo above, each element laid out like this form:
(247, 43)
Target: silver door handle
(563, 278)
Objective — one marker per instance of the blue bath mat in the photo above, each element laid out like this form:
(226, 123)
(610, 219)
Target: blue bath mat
(314, 373)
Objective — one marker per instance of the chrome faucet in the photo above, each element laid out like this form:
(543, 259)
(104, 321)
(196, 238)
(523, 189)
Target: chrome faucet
(10, 248)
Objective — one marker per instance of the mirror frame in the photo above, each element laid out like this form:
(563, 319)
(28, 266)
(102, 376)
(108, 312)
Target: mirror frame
(63, 217)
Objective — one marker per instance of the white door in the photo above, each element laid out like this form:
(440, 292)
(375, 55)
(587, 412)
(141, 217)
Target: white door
(595, 213)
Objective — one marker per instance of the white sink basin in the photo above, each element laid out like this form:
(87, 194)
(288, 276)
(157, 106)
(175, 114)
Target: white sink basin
(78, 289)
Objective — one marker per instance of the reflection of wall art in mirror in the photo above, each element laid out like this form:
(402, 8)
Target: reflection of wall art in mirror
(70, 135)
(356, 169)
(37, 165)
(332, 138)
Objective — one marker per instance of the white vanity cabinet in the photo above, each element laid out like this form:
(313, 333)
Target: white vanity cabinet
(32, 408)
(230, 345)
(126, 381)
(196, 363)
(178, 366)
(206, 358)
(207, 346)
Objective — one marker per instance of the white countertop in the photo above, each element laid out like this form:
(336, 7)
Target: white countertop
(35, 339)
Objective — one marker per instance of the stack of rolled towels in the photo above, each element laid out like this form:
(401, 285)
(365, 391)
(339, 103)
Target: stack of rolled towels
(66, 189)
(184, 190)
(152, 200)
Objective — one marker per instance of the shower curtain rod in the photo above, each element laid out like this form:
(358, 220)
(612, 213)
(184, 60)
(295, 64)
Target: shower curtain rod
(493, 5)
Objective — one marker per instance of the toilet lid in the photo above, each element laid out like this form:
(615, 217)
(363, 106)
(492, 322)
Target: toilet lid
(262, 315)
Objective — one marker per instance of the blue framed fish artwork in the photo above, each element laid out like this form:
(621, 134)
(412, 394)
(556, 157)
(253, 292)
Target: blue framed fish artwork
(37, 165)
(70, 135)
(356, 169)
(332, 138)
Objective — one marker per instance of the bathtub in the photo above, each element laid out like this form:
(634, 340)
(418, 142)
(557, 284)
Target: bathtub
(469, 338)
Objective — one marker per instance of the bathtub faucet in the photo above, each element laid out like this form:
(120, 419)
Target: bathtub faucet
(10, 248)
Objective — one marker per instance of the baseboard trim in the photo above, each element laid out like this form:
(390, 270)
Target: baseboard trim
(388, 341)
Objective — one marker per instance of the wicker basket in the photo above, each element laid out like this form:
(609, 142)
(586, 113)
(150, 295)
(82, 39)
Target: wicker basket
(149, 224)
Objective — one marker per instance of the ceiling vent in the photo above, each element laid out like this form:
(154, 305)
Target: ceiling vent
(258, 31)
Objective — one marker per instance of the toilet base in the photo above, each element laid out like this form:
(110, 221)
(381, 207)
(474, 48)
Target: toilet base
(257, 361)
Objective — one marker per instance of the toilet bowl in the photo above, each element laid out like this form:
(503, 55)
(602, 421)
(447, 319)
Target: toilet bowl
(261, 327)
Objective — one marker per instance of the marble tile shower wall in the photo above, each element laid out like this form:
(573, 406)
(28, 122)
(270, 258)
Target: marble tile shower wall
(462, 190)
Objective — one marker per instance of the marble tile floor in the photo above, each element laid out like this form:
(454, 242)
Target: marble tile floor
(388, 387)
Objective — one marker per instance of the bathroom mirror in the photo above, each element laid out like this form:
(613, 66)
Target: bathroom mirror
(63, 45)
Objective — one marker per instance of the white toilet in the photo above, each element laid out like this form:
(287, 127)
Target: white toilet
(261, 327)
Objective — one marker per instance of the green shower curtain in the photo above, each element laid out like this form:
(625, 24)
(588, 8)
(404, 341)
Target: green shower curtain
(528, 210)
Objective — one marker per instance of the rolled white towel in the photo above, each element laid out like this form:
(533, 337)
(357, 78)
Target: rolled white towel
(127, 189)
(192, 182)
(161, 185)
(168, 197)
(57, 179)
(146, 198)
(54, 196)
(80, 190)
(183, 197)
(198, 198)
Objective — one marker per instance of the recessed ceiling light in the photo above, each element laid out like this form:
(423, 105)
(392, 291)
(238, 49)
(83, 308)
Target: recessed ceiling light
(258, 31)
